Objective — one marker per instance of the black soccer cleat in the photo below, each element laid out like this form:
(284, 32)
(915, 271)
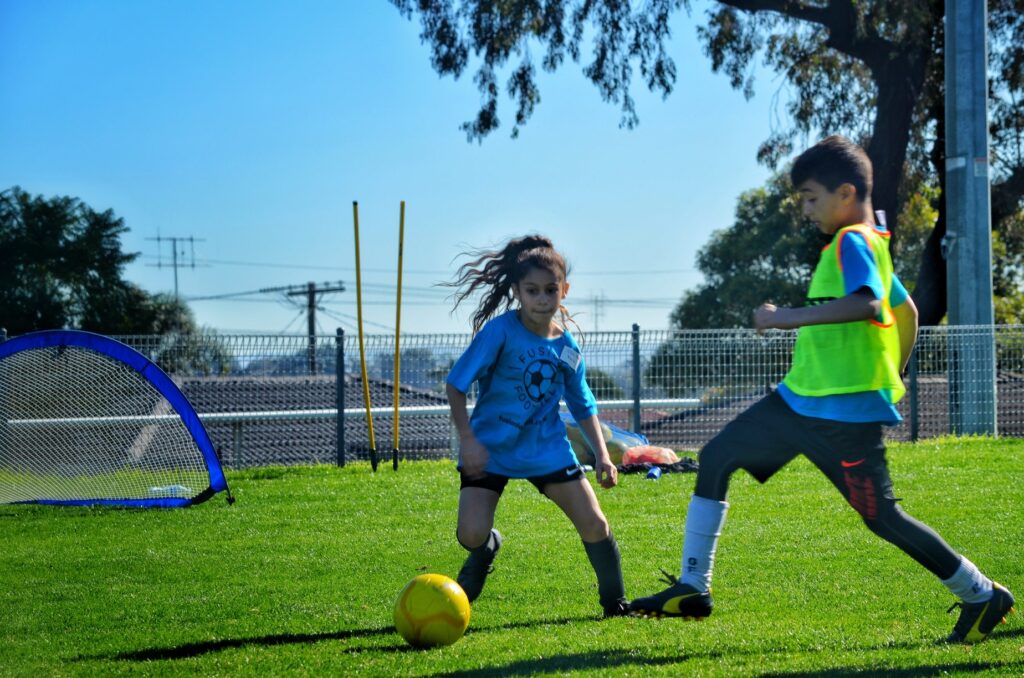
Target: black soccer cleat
(476, 568)
(978, 619)
(617, 608)
(678, 600)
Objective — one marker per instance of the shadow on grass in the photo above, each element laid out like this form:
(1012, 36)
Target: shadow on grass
(1007, 668)
(602, 660)
(195, 649)
(1010, 667)
(606, 660)
(597, 660)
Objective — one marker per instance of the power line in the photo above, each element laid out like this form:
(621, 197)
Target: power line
(292, 321)
(438, 272)
(340, 317)
(227, 295)
(239, 297)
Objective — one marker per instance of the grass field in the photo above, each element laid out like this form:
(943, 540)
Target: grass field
(299, 577)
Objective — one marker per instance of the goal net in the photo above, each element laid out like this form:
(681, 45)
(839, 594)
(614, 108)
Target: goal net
(88, 420)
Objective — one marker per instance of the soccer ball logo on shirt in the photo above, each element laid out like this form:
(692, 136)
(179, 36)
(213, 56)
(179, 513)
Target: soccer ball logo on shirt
(538, 378)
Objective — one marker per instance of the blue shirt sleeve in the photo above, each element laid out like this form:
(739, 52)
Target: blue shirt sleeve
(578, 396)
(481, 355)
(897, 293)
(859, 267)
(860, 270)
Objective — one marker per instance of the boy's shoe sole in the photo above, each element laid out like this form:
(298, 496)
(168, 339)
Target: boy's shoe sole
(678, 600)
(978, 619)
(475, 569)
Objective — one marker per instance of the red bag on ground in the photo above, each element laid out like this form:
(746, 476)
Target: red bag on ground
(651, 454)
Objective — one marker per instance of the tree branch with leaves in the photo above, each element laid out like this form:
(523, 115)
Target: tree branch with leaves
(870, 69)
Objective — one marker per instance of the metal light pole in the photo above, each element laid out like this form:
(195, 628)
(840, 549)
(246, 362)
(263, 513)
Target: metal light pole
(968, 242)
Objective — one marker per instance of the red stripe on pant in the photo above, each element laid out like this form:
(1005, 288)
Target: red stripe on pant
(861, 495)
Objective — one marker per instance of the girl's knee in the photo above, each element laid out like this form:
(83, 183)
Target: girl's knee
(471, 537)
(594, 528)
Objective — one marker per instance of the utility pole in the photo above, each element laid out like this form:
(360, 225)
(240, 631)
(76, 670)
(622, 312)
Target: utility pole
(598, 301)
(174, 240)
(310, 290)
(967, 245)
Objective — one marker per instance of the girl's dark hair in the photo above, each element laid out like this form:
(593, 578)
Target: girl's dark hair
(494, 272)
(834, 161)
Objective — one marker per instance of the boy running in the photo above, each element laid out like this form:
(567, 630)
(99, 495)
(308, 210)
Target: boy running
(857, 330)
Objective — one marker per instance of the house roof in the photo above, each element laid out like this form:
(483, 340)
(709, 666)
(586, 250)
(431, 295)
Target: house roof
(285, 441)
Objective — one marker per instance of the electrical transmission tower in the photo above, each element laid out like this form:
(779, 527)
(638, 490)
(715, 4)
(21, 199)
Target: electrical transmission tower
(174, 240)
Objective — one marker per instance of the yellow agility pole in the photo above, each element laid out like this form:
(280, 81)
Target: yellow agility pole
(362, 347)
(397, 334)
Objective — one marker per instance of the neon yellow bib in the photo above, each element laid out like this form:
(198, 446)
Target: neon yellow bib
(848, 357)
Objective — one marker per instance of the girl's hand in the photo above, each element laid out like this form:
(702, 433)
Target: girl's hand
(607, 473)
(474, 456)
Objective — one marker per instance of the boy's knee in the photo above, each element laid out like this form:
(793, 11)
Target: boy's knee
(716, 456)
(881, 517)
(716, 465)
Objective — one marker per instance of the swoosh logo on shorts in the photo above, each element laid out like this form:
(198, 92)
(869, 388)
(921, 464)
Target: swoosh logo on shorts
(572, 471)
(851, 464)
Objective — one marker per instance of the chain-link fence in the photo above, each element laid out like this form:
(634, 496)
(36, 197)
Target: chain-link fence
(279, 400)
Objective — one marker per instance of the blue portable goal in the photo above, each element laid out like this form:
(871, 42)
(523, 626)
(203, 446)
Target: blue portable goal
(87, 420)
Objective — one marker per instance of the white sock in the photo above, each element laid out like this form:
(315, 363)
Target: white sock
(969, 584)
(704, 521)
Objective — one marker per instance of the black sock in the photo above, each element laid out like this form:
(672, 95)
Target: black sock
(604, 556)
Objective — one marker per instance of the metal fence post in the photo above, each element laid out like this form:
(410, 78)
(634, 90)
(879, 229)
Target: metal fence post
(236, 446)
(912, 375)
(339, 394)
(636, 377)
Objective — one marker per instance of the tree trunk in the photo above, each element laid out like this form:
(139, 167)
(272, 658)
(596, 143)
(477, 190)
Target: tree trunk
(930, 293)
(899, 82)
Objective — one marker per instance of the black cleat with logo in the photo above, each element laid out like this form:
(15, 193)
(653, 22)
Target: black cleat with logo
(978, 619)
(678, 600)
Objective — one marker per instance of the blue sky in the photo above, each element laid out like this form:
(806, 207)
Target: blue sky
(252, 126)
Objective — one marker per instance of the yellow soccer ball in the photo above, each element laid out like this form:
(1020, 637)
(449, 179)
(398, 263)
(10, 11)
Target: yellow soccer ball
(432, 610)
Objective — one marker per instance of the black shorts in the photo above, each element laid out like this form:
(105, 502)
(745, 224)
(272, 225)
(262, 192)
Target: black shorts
(769, 434)
(496, 482)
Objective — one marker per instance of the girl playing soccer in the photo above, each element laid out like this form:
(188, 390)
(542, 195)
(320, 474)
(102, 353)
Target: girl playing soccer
(525, 363)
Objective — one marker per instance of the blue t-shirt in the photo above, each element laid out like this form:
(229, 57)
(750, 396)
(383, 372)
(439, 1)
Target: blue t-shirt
(522, 377)
(859, 271)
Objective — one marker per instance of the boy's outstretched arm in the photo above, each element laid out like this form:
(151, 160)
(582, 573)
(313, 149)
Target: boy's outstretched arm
(906, 323)
(859, 305)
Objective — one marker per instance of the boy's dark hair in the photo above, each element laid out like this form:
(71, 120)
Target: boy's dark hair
(834, 161)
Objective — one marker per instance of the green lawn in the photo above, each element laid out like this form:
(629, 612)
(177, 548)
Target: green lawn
(299, 577)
